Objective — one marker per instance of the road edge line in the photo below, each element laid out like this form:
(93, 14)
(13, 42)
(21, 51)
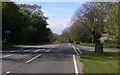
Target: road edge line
(75, 65)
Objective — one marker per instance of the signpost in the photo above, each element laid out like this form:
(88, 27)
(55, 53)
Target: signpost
(7, 33)
(99, 48)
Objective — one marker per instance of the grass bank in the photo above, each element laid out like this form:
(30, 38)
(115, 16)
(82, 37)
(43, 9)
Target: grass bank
(100, 63)
(93, 45)
(84, 44)
(12, 47)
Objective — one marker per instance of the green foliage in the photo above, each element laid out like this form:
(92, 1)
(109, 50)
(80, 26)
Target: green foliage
(26, 23)
(92, 21)
(112, 27)
(12, 21)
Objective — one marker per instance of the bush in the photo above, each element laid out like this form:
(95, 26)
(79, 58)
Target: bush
(111, 45)
(88, 44)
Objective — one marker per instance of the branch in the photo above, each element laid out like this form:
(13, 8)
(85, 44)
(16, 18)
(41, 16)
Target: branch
(84, 24)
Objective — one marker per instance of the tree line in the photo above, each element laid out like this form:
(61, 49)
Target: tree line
(92, 21)
(24, 24)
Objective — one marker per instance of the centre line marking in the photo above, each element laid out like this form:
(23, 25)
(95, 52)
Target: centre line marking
(33, 58)
(69, 44)
(48, 50)
(6, 73)
(5, 56)
(75, 65)
(56, 45)
(37, 50)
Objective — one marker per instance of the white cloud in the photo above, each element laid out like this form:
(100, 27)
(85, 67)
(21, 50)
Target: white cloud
(47, 14)
(59, 8)
(44, 11)
(58, 26)
(61, 0)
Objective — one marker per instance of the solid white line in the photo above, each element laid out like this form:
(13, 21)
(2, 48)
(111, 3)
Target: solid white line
(33, 58)
(5, 56)
(79, 50)
(75, 49)
(75, 65)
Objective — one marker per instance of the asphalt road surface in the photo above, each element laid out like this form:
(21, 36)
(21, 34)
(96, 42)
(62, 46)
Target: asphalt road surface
(40, 60)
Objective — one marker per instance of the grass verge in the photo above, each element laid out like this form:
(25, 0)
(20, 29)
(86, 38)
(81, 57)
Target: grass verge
(84, 44)
(18, 46)
(100, 63)
(93, 45)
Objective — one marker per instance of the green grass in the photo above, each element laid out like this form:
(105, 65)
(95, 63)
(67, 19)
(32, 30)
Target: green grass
(93, 45)
(84, 44)
(13, 46)
(18, 46)
(100, 63)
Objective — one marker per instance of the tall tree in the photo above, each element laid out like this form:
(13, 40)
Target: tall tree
(11, 21)
(92, 16)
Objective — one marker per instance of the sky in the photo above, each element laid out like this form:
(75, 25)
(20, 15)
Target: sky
(59, 14)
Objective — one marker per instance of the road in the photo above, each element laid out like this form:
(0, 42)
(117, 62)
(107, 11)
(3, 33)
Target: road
(47, 59)
(85, 49)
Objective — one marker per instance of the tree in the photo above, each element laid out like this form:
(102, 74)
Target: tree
(36, 25)
(111, 28)
(11, 21)
(93, 18)
(26, 23)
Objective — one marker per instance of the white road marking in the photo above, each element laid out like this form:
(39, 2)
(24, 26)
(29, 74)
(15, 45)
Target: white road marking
(5, 56)
(26, 50)
(69, 44)
(75, 49)
(48, 50)
(33, 58)
(79, 50)
(12, 51)
(56, 46)
(37, 50)
(6, 73)
(75, 65)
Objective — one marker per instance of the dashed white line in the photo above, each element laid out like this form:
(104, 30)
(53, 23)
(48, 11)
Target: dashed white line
(11, 51)
(75, 65)
(79, 50)
(6, 73)
(69, 44)
(33, 58)
(75, 49)
(37, 50)
(56, 46)
(26, 50)
(5, 56)
(48, 50)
